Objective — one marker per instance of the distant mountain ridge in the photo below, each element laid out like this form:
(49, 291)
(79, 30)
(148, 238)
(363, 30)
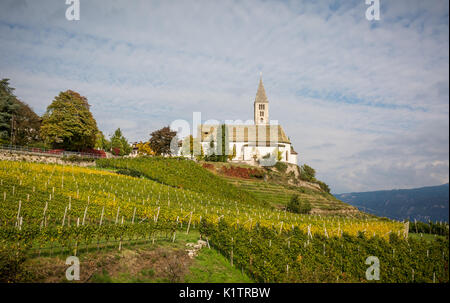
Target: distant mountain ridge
(422, 204)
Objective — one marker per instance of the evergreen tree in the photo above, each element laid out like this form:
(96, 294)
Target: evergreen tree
(19, 124)
(119, 144)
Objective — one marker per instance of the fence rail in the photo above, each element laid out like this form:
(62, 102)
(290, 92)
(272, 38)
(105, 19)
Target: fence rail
(46, 152)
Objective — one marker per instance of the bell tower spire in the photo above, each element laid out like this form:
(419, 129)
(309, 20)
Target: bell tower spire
(261, 104)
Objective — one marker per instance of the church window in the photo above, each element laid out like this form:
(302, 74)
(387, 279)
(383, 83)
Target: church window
(261, 114)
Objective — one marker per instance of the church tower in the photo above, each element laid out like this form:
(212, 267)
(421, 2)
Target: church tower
(261, 105)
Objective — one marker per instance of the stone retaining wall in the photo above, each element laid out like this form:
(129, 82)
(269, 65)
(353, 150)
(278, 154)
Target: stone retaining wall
(14, 156)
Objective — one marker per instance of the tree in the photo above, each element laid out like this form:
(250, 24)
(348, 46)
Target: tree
(8, 107)
(233, 155)
(19, 124)
(279, 154)
(145, 149)
(219, 152)
(202, 154)
(101, 142)
(295, 205)
(27, 125)
(211, 150)
(68, 123)
(161, 139)
(192, 146)
(187, 147)
(119, 144)
(225, 145)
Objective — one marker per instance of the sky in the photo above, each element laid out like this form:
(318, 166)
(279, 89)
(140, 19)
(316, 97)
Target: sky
(365, 103)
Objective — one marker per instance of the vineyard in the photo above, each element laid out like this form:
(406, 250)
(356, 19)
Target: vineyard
(180, 173)
(294, 256)
(65, 208)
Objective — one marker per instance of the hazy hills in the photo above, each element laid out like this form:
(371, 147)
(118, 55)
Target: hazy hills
(425, 203)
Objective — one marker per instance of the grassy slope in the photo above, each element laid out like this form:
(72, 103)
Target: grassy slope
(141, 264)
(277, 192)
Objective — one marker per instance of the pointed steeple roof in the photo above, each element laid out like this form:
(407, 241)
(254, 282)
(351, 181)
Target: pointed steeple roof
(261, 93)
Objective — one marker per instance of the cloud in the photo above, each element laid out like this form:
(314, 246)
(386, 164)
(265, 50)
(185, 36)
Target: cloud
(365, 103)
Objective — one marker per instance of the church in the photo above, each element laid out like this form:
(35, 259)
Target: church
(251, 143)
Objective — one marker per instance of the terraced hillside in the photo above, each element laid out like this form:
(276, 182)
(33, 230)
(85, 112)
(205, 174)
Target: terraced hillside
(276, 189)
(279, 195)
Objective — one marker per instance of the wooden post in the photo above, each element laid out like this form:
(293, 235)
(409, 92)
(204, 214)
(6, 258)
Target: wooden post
(84, 216)
(101, 218)
(406, 230)
(117, 215)
(189, 224)
(18, 213)
(157, 215)
(64, 218)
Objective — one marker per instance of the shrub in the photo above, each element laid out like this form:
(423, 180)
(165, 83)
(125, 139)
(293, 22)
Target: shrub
(295, 205)
(12, 265)
(241, 172)
(324, 186)
(254, 173)
(129, 172)
(307, 173)
(281, 166)
(90, 152)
